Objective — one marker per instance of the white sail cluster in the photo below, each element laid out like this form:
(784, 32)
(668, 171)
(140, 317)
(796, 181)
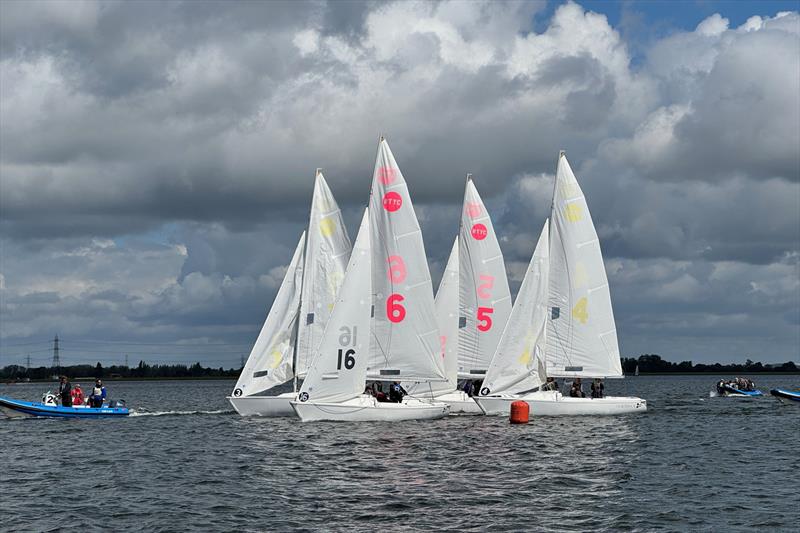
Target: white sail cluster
(338, 324)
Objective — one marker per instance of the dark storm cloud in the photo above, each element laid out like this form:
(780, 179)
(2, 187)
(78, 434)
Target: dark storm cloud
(157, 159)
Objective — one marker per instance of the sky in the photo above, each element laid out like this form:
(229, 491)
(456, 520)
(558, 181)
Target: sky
(157, 159)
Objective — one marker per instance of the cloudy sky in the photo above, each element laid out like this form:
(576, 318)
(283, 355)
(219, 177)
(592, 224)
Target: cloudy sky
(157, 159)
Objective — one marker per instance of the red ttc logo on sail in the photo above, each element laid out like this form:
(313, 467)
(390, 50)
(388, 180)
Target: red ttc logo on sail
(392, 201)
(479, 232)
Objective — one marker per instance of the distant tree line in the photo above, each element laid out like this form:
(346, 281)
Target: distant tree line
(142, 370)
(654, 364)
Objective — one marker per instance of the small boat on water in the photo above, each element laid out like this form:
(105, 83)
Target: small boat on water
(739, 387)
(786, 396)
(49, 408)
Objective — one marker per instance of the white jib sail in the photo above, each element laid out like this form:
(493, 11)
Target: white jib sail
(484, 296)
(581, 332)
(339, 367)
(405, 343)
(518, 364)
(327, 252)
(270, 360)
(446, 303)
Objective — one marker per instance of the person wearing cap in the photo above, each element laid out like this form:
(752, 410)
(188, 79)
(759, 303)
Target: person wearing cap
(98, 394)
(65, 391)
(396, 392)
(598, 389)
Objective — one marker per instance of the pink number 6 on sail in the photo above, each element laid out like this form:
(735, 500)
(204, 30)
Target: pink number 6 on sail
(394, 311)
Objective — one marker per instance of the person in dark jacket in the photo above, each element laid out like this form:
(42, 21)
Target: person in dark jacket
(396, 392)
(65, 391)
(598, 389)
(576, 391)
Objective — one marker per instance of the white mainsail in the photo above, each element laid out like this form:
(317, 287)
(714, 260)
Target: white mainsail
(327, 252)
(484, 296)
(339, 367)
(405, 343)
(270, 360)
(446, 303)
(518, 364)
(581, 332)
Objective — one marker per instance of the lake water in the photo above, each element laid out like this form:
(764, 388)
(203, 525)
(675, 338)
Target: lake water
(187, 462)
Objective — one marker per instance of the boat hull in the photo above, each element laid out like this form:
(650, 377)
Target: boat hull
(367, 409)
(21, 409)
(737, 393)
(269, 406)
(786, 396)
(551, 403)
(460, 403)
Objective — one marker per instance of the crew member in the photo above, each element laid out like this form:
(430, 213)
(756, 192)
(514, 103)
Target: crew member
(65, 391)
(98, 394)
(598, 389)
(77, 395)
(576, 391)
(396, 392)
(550, 384)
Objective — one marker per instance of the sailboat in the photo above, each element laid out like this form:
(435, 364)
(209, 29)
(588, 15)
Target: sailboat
(387, 296)
(301, 309)
(484, 296)
(562, 324)
(447, 317)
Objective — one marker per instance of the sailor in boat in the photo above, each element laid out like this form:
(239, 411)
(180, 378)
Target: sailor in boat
(550, 384)
(98, 394)
(576, 390)
(598, 389)
(77, 395)
(396, 392)
(65, 391)
(469, 387)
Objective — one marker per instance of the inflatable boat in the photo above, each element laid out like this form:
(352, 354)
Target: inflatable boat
(730, 390)
(49, 408)
(786, 396)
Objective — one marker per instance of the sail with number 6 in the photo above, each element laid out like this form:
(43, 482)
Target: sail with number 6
(405, 343)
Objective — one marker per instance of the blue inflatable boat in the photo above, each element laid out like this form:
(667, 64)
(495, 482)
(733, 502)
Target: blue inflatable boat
(728, 390)
(19, 409)
(786, 396)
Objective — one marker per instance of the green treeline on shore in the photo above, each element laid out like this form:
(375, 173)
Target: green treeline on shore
(653, 364)
(141, 371)
(647, 364)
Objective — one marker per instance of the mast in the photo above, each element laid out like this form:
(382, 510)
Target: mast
(296, 333)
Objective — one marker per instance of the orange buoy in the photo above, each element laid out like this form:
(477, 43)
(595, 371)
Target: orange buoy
(520, 412)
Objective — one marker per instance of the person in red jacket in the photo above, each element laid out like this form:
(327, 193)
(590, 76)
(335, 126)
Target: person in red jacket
(77, 395)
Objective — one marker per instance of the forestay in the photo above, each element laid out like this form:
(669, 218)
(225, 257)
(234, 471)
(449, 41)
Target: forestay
(484, 296)
(270, 360)
(405, 344)
(581, 333)
(338, 370)
(518, 364)
(327, 252)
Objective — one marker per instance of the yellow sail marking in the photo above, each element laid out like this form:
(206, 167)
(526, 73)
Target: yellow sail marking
(574, 212)
(579, 312)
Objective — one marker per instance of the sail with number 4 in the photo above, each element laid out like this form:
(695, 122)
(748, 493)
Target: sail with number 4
(518, 364)
(270, 360)
(581, 332)
(327, 252)
(339, 366)
(405, 342)
(484, 296)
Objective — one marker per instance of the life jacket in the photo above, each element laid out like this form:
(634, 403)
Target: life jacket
(77, 396)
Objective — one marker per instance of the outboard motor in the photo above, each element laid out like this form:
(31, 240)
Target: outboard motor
(48, 398)
(117, 404)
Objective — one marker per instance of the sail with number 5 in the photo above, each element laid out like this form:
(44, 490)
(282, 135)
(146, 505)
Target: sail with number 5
(405, 343)
(484, 296)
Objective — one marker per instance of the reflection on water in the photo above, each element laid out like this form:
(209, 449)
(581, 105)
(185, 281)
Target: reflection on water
(188, 463)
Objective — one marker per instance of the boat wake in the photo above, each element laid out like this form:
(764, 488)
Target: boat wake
(181, 413)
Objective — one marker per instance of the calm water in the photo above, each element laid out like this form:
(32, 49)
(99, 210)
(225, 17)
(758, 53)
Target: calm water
(188, 462)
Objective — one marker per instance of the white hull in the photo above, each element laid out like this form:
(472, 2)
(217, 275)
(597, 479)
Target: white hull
(264, 405)
(553, 403)
(367, 409)
(460, 403)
